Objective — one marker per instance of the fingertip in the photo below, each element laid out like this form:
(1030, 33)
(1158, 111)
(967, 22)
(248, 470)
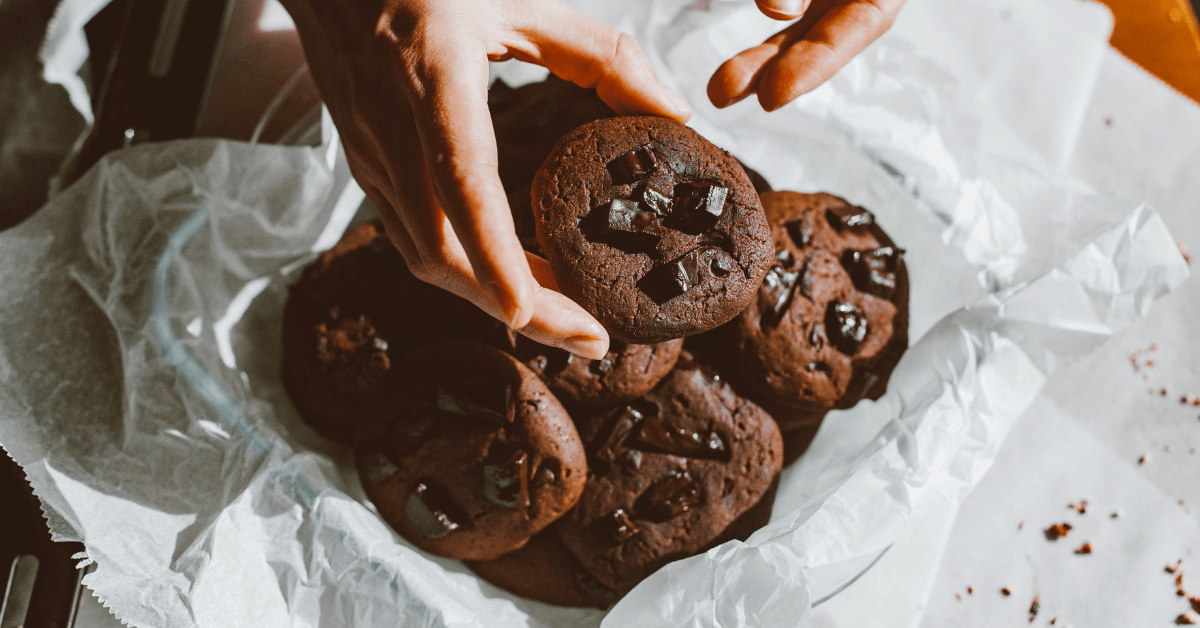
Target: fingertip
(586, 346)
(782, 10)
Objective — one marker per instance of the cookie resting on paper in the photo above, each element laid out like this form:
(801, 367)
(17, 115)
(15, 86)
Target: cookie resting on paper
(466, 453)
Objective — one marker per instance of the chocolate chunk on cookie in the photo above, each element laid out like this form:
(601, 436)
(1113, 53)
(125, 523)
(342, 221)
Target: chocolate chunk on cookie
(625, 373)
(830, 321)
(545, 570)
(351, 314)
(668, 475)
(466, 453)
(650, 228)
(528, 121)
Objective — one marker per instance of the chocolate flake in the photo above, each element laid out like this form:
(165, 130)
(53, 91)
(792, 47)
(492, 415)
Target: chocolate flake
(627, 220)
(686, 271)
(1057, 531)
(633, 166)
(777, 286)
(506, 479)
(698, 206)
(874, 272)
(1086, 548)
(847, 326)
(1184, 620)
(849, 217)
(620, 525)
(614, 444)
(668, 497)
(483, 398)
(433, 513)
(801, 232)
(661, 436)
(1034, 607)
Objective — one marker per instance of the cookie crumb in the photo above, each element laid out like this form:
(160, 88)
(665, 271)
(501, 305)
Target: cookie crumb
(1167, 448)
(1116, 515)
(1180, 501)
(1165, 391)
(1186, 399)
(1183, 251)
(1173, 568)
(970, 591)
(1080, 508)
(1184, 620)
(1021, 526)
(1086, 548)
(1108, 122)
(1057, 531)
(1195, 601)
(1005, 592)
(1154, 346)
(1033, 609)
(1141, 460)
(1053, 620)
(959, 596)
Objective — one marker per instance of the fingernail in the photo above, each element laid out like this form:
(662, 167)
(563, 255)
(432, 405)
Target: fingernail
(589, 347)
(679, 103)
(788, 7)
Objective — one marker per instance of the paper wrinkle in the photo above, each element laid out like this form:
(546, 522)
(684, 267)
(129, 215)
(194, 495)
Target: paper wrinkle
(205, 502)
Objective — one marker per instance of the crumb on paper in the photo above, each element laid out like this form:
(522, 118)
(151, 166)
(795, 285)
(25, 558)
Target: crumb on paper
(1179, 581)
(1183, 251)
(1184, 620)
(1080, 508)
(1173, 568)
(1186, 398)
(1086, 548)
(1108, 121)
(1180, 501)
(1192, 450)
(1057, 531)
(1021, 526)
(1116, 514)
(1151, 363)
(1195, 602)
(970, 591)
(1006, 592)
(1165, 391)
(1167, 448)
(1034, 607)
(1142, 459)
(1053, 620)
(959, 596)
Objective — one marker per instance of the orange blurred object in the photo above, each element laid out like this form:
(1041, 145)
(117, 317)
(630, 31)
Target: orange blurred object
(1161, 36)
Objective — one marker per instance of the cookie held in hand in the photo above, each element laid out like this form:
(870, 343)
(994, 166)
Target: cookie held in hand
(650, 228)
(466, 453)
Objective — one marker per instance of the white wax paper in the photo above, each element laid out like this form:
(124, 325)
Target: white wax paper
(139, 371)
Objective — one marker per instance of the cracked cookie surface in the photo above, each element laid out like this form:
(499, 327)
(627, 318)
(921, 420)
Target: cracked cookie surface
(650, 228)
(466, 453)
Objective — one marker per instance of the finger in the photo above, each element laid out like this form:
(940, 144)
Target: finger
(841, 32)
(590, 53)
(782, 9)
(449, 101)
(737, 78)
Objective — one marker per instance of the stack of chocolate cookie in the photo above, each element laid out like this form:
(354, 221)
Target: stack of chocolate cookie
(570, 480)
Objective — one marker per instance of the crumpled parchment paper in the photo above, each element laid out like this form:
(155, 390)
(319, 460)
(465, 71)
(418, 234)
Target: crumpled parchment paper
(139, 365)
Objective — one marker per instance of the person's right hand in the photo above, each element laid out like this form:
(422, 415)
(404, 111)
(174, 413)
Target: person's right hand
(406, 84)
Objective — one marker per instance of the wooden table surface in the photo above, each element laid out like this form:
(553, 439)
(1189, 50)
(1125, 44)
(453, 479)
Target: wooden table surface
(1161, 36)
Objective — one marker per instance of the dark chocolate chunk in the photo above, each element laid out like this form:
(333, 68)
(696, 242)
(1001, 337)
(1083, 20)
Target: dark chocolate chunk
(658, 435)
(656, 199)
(547, 472)
(633, 166)
(620, 525)
(506, 479)
(849, 217)
(432, 512)
(614, 444)
(801, 232)
(668, 497)
(778, 285)
(698, 206)
(630, 224)
(685, 272)
(847, 326)
(874, 272)
(486, 399)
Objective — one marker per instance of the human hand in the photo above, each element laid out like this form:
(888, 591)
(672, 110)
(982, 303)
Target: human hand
(406, 84)
(802, 56)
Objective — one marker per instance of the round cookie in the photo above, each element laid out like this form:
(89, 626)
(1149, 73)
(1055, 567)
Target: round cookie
(351, 314)
(625, 373)
(668, 475)
(466, 453)
(528, 121)
(830, 321)
(650, 228)
(545, 570)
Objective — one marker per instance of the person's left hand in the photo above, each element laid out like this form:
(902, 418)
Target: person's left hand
(802, 56)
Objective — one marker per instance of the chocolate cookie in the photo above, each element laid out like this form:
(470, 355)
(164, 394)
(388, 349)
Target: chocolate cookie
(545, 570)
(668, 475)
(650, 228)
(528, 121)
(625, 373)
(352, 313)
(830, 321)
(466, 453)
